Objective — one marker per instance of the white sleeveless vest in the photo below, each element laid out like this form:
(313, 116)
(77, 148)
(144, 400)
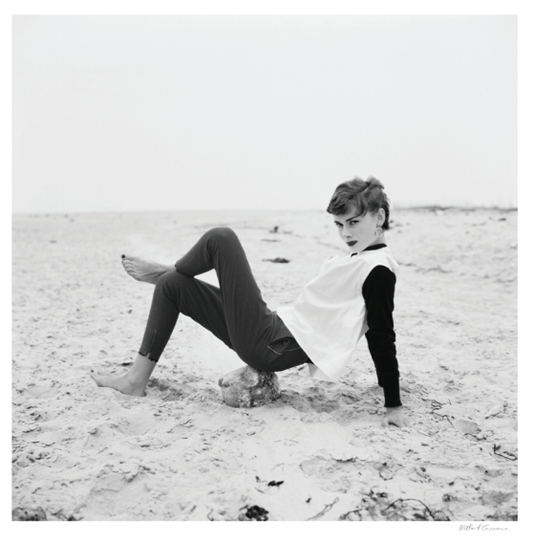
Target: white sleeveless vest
(329, 316)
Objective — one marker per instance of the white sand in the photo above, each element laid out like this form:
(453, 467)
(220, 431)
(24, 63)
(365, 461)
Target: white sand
(89, 453)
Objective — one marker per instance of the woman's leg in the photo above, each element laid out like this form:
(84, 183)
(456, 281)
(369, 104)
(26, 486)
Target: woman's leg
(248, 320)
(235, 312)
(174, 294)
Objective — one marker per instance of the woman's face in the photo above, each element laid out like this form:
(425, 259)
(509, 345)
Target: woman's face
(359, 231)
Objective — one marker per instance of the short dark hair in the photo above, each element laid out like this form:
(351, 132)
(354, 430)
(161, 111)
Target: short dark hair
(362, 196)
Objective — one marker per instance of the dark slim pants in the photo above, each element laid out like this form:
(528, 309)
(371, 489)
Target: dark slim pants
(235, 312)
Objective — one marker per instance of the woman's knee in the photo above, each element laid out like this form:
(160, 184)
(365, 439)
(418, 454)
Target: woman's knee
(221, 233)
(169, 281)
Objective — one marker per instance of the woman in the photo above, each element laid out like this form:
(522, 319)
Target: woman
(351, 296)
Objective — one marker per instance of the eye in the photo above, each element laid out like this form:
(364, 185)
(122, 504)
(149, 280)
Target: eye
(353, 222)
(338, 225)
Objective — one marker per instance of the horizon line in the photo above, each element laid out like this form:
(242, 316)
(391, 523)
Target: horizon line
(509, 208)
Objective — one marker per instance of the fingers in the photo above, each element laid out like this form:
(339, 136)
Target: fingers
(399, 422)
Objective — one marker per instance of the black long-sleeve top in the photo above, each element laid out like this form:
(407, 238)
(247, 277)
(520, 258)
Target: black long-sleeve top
(378, 293)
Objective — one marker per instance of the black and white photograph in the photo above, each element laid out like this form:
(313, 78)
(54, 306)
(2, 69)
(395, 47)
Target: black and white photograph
(264, 267)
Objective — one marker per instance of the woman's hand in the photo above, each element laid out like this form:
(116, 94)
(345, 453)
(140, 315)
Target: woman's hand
(395, 416)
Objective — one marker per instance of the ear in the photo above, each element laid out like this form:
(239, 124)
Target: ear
(381, 216)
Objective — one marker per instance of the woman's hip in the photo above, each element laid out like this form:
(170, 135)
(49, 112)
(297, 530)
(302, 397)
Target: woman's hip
(278, 351)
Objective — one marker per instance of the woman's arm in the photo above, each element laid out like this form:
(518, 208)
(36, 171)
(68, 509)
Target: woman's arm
(378, 293)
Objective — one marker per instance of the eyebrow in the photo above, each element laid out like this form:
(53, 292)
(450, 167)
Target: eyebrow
(348, 219)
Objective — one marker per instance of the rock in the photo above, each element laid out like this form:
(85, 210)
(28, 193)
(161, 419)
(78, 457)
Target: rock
(246, 387)
(254, 513)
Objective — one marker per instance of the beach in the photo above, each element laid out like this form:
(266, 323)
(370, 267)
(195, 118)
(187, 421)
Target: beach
(319, 453)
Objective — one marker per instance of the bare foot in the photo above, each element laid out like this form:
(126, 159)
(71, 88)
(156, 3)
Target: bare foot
(142, 270)
(122, 384)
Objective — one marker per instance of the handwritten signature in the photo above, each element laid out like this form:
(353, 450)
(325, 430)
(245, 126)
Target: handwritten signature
(480, 527)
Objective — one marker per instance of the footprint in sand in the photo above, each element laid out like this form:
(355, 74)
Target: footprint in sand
(42, 390)
(172, 391)
(330, 475)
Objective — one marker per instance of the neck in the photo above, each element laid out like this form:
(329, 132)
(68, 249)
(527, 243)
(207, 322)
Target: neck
(379, 240)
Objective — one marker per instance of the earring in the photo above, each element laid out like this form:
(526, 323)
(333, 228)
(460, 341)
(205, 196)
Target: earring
(378, 232)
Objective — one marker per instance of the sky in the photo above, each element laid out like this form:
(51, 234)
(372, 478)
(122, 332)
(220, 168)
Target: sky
(200, 112)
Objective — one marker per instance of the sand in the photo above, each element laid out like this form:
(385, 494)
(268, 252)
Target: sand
(319, 453)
